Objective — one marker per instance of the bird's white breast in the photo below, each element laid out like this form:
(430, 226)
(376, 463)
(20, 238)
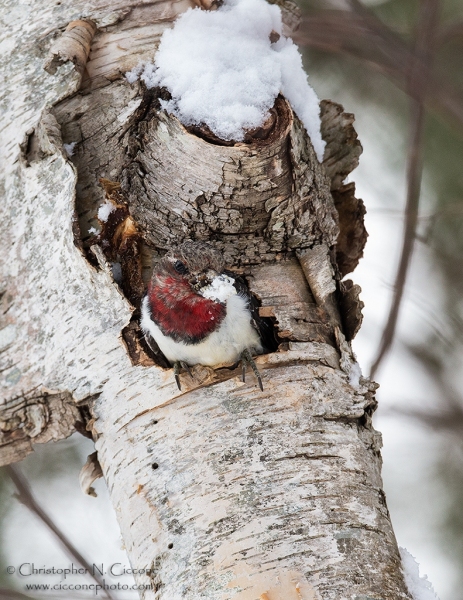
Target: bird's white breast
(224, 345)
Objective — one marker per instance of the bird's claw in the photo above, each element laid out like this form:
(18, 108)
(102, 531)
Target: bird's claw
(246, 358)
(181, 365)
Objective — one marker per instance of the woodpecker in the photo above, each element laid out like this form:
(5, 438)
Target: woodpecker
(199, 313)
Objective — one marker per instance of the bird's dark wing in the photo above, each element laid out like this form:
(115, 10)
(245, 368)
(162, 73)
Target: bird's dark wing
(153, 346)
(263, 325)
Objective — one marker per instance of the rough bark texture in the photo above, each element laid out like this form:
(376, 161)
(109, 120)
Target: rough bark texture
(341, 157)
(221, 491)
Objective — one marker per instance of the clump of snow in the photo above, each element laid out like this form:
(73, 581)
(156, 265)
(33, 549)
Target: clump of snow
(354, 375)
(419, 587)
(220, 289)
(222, 70)
(69, 148)
(105, 210)
(92, 230)
(135, 73)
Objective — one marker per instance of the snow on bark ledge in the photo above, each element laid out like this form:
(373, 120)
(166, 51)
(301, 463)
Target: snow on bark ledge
(223, 70)
(419, 587)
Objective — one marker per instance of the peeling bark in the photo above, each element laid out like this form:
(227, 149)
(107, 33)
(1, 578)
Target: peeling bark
(341, 157)
(89, 473)
(221, 491)
(34, 418)
(73, 46)
(352, 233)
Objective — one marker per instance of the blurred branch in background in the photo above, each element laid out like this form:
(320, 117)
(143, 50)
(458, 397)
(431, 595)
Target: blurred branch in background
(417, 89)
(358, 31)
(25, 496)
(449, 415)
(448, 420)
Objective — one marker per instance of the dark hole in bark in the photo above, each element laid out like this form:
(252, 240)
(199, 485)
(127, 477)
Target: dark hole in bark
(134, 244)
(266, 133)
(81, 425)
(146, 353)
(155, 466)
(122, 242)
(30, 148)
(366, 419)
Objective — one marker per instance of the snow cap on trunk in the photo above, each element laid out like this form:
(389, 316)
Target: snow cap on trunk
(223, 70)
(419, 587)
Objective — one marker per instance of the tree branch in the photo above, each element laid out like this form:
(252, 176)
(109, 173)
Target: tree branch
(361, 34)
(25, 496)
(418, 84)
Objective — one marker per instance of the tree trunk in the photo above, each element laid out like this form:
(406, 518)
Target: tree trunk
(221, 491)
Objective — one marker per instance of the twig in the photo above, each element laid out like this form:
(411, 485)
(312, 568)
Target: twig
(449, 416)
(361, 34)
(26, 498)
(450, 421)
(418, 87)
(450, 33)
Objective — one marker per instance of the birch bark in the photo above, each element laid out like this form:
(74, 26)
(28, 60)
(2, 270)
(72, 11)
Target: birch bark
(221, 491)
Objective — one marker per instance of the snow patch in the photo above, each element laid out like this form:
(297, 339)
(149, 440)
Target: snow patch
(220, 289)
(355, 374)
(419, 587)
(135, 73)
(92, 230)
(69, 148)
(222, 70)
(105, 210)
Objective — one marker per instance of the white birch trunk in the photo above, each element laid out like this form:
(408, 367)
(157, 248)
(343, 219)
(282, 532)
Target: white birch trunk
(221, 491)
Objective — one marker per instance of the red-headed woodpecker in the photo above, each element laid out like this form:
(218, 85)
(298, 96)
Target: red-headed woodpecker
(197, 313)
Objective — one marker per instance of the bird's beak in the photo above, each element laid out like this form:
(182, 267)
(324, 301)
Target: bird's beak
(202, 279)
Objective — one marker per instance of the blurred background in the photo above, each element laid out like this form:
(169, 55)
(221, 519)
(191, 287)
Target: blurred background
(397, 65)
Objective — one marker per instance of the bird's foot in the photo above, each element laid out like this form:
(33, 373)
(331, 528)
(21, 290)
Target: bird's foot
(246, 358)
(181, 365)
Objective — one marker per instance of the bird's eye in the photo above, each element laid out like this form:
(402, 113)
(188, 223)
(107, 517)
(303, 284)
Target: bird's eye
(180, 267)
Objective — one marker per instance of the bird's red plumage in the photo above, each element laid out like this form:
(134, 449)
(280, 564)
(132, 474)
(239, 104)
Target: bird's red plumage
(180, 312)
